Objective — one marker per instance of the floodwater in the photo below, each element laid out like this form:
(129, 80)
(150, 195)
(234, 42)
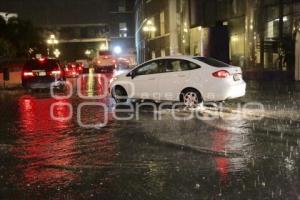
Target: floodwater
(241, 154)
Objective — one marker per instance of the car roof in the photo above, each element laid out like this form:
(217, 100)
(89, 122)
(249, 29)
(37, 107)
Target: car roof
(175, 57)
(36, 64)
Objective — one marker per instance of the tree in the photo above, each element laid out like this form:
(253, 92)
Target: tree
(6, 50)
(22, 35)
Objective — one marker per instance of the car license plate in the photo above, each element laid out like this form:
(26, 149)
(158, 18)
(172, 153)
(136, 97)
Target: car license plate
(42, 73)
(237, 77)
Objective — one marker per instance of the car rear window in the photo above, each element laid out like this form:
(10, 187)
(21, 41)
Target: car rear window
(105, 53)
(211, 61)
(37, 64)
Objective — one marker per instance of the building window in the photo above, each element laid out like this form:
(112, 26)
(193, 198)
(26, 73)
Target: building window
(123, 29)
(162, 23)
(162, 52)
(121, 6)
(153, 55)
(152, 33)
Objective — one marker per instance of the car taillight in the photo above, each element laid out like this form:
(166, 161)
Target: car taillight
(114, 61)
(27, 74)
(221, 74)
(55, 72)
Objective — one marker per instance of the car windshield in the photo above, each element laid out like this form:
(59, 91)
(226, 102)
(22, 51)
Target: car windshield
(38, 64)
(211, 61)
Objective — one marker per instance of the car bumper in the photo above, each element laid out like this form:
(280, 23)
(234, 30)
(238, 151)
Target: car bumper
(226, 93)
(42, 83)
(236, 91)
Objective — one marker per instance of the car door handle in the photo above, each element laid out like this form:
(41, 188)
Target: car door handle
(151, 79)
(181, 76)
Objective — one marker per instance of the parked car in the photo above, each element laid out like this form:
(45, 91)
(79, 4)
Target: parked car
(73, 70)
(41, 73)
(191, 80)
(105, 62)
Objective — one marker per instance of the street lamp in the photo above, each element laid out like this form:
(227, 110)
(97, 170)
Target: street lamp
(57, 53)
(117, 50)
(149, 28)
(52, 41)
(87, 52)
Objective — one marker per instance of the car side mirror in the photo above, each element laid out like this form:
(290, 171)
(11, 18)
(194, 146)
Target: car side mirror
(132, 74)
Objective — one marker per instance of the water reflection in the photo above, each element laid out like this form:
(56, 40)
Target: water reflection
(93, 85)
(40, 142)
(219, 142)
(53, 152)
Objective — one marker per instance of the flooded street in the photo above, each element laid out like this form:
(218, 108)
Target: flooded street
(227, 157)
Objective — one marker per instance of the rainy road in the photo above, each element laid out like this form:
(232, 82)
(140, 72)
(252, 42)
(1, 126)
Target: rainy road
(223, 155)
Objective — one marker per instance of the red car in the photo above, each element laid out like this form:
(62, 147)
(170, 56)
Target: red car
(73, 70)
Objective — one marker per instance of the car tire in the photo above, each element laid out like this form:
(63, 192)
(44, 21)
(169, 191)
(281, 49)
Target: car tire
(119, 94)
(191, 98)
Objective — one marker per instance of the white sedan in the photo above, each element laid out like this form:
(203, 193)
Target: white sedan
(191, 80)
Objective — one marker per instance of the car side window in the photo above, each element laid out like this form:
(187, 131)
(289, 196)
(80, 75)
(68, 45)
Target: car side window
(172, 66)
(193, 66)
(175, 65)
(149, 68)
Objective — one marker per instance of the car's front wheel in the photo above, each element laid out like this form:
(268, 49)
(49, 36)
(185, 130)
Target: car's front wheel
(191, 98)
(119, 94)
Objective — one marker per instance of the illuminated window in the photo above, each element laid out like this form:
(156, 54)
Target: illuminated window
(123, 29)
(153, 55)
(162, 23)
(121, 6)
(162, 52)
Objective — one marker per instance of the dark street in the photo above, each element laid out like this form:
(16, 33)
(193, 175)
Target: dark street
(223, 158)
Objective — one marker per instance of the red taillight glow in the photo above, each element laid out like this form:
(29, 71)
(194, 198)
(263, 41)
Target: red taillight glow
(221, 74)
(42, 59)
(26, 74)
(114, 61)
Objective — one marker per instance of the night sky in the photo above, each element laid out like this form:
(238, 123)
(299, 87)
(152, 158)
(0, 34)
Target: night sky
(49, 12)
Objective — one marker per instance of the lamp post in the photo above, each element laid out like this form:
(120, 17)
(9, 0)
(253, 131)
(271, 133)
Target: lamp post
(56, 53)
(149, 28)
(89, 53)
(52, 41)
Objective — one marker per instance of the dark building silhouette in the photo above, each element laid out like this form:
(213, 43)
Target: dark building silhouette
(79, 25)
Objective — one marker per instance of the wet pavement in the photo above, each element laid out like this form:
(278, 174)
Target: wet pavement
(231, 154)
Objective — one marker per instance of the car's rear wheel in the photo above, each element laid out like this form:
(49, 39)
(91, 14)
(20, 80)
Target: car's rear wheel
(119, 94)
(191, 98)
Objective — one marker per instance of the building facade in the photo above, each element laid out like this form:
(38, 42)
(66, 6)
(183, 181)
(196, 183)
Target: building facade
(122, 25)
(258, 35)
